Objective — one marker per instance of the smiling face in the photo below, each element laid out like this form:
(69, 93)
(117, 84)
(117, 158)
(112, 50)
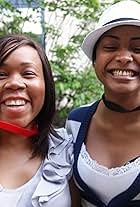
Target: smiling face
(117, 62)
(22, 86)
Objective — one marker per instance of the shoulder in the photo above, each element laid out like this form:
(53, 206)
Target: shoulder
(78, 116)
(57, 169)
(60, 151)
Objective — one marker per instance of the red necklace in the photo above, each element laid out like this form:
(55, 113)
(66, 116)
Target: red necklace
(18, 130)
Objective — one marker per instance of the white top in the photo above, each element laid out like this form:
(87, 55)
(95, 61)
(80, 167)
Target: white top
(107, 183)
(49, 186)
(15, 197)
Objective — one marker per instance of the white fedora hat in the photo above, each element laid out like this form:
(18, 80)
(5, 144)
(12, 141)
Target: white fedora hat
(122, 13)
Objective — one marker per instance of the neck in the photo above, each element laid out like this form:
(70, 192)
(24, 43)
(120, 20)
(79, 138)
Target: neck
(24, 132)
(118, 108)
(14, 142)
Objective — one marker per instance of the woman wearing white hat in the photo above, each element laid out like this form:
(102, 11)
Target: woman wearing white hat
(107, 132)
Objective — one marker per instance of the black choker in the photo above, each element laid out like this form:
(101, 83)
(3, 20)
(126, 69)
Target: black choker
(117, 108)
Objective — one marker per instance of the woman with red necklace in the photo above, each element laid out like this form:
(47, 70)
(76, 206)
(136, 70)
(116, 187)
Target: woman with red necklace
(34, 164)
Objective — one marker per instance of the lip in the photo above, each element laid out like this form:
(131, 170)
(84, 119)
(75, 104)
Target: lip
(124, 69)
(11, 109)
(123, 73)
(124, 78)
(10, 98)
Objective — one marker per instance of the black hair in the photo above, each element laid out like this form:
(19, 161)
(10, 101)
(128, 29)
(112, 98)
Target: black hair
(94, 51)
(44, 119)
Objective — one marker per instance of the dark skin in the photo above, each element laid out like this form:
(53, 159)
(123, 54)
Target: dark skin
(21, 80)
(75, 194)
(112, 144)
(18, 168)
(113, 138)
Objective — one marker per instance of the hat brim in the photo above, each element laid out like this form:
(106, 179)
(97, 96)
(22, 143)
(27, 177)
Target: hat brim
(91, 39)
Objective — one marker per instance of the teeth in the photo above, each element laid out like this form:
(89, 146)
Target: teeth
(123, 73)
(17, 102)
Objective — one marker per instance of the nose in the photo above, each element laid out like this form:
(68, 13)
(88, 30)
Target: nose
(124, 57)
(15, 82)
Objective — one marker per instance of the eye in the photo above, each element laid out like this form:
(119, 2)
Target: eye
(29, 74)
(3, 75)
(136, 49)
(110, 48)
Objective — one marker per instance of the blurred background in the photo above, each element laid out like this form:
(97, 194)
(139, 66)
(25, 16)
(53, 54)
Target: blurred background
(60, 27)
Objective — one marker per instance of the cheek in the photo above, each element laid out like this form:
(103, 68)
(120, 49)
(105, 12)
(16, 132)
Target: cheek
(99, 70)
(98, 66)
(100, 58)
(38, 91)
(103, 61)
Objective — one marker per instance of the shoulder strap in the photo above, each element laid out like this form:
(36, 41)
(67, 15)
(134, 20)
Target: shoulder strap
(86, 114)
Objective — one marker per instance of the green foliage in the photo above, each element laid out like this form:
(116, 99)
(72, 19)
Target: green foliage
(77, 8)
(75, 85)
(75, 89)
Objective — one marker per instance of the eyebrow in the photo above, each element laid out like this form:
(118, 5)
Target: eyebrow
(135, 38)
(2, 64)
(23, 63)
(116, 37)
(112, 36)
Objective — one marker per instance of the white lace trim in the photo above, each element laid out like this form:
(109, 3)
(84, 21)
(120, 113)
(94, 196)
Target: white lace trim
(104, 170)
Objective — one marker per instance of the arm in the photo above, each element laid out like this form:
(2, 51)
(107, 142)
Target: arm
(75, 194)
